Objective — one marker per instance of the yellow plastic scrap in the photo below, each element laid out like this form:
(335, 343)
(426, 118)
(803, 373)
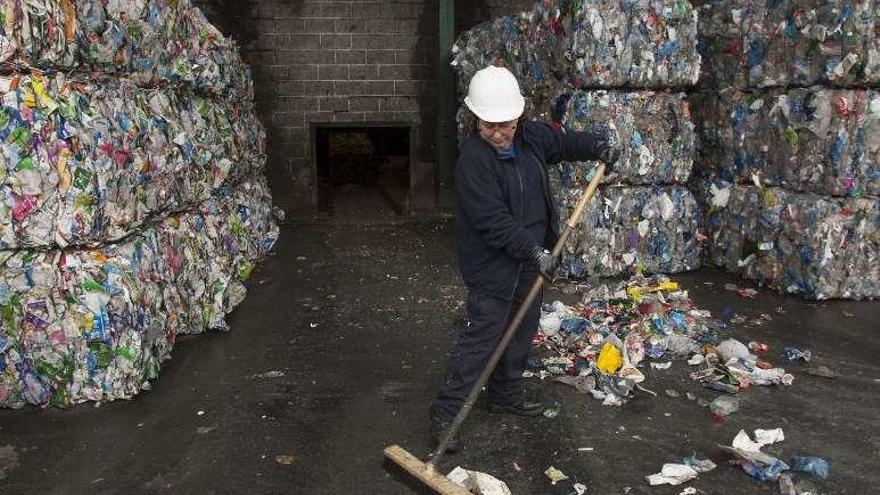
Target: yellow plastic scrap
(635, 293)
(770, 199)
(46, 102)
(610, 359)
(64, 176)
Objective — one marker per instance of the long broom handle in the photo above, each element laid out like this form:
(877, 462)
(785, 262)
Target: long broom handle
(514, 324)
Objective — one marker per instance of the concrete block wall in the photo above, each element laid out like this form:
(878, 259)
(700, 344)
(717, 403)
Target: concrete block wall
(471, 13)
(344, 61)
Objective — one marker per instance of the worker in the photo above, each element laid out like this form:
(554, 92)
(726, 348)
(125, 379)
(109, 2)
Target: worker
(505, 221)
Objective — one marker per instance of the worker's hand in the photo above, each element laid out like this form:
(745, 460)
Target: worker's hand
(544, 261)
(608, 154)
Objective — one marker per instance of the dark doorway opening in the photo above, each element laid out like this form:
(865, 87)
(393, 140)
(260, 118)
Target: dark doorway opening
(363, 171)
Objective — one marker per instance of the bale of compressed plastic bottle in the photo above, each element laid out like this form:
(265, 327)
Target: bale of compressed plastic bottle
(819, 246)
(90, 162)
(818, 140)
(134, 207)
(627, 229)
(748, 44)
(653, 131)
(152, 43)
(604, 44)
(96, 324)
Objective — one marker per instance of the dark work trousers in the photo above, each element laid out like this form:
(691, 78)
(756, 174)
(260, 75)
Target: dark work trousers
(488, 318)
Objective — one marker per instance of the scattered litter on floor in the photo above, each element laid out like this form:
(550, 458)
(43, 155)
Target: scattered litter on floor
(601, 342)
(794, 354)
(765, 467)
(478, 483)
(723, 406)
(553, 411)
(814, 466)
(269, 374)
(745, 292)
(286, 459)
(672, 474)
(555, 475)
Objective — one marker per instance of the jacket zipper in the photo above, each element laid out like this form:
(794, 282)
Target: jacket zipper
(522, 214)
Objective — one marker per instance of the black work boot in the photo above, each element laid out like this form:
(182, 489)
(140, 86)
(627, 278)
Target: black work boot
(521, 408)
(439, 428)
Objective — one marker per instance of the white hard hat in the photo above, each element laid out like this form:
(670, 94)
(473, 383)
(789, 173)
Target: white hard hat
(493, 95)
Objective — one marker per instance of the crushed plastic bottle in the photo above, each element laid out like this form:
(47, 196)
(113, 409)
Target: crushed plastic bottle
(724, 406)
(793, 354)
(814, 466)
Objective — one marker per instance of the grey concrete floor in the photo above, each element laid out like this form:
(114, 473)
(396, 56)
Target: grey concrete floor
(359, 317)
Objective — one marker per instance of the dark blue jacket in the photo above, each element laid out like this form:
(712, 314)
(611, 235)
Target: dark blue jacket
(493, 245)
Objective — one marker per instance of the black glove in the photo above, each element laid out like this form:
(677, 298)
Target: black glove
(608, 151)
(608, 154)
(544, 261)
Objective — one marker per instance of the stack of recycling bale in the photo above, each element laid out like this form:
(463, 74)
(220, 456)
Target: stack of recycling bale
(790, 142)
(621, 65)
(134, 204)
